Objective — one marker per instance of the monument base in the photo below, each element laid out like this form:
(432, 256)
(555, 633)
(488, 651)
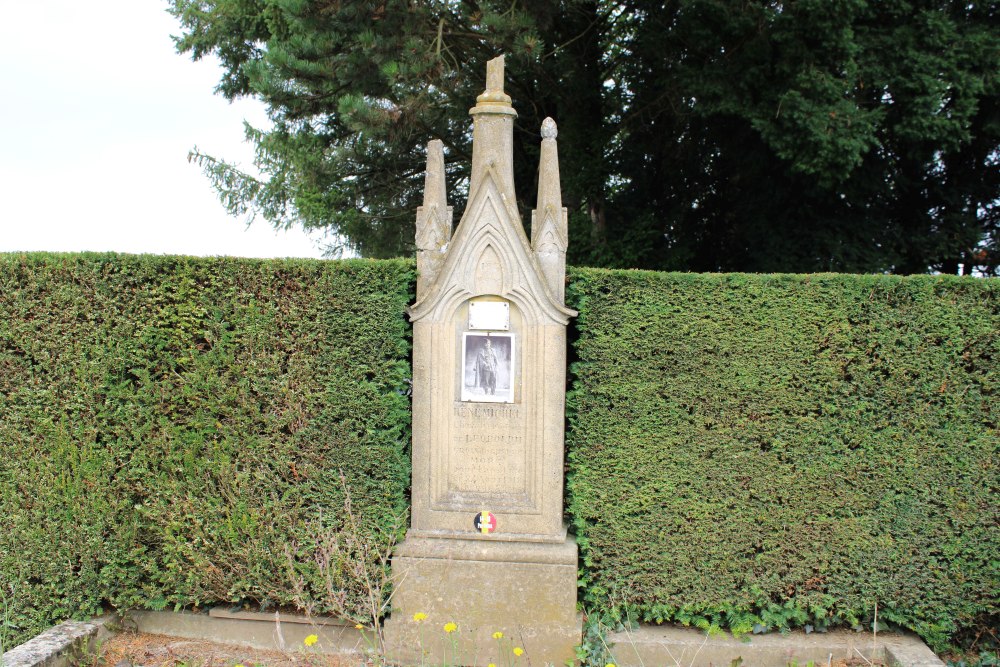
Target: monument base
(527, 591)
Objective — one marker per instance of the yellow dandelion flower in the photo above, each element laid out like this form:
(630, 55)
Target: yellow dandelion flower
(450, 627)
(497, 635)
(518, 651)
(310, 640)
(420, 616)
(611, 664)
(237, 665)
(491, 665)
(359, 627)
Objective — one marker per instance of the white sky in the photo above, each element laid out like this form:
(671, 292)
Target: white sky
(97, 115)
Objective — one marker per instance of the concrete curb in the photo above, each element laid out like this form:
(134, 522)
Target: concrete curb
(648, 646)
(58, 645)
(911, 651)
(660, 646)
(270, 631)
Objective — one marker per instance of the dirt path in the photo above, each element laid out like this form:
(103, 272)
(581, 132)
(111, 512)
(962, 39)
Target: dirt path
(138, 649)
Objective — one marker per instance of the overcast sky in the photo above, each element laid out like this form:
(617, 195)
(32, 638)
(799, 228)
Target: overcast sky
(97, 115)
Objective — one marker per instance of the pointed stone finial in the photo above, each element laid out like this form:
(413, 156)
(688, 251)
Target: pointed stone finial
(435, 191)
(433, 219)
(549, 188)
(549, 219)
(549, 194)
(549, 129)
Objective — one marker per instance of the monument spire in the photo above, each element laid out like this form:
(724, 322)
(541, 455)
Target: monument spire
(487, 538)
(549, 219)
(433, 219)
(493, 132)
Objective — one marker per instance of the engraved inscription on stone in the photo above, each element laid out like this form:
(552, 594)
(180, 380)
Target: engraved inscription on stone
(488, 450)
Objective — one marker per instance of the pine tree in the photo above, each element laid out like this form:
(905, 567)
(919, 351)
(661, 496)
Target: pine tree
(810, 135)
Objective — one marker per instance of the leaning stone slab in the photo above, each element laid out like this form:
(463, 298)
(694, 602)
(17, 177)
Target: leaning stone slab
(57, 646)
(670, 645)
(908, 650)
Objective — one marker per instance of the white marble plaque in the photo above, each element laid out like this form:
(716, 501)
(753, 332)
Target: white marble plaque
(489, 315)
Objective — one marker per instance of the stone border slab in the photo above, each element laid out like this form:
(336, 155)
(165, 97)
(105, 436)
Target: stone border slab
(268, 617)
(647, 646)
(270, 631)
(910, 651)
(672, 646)
(58, 645)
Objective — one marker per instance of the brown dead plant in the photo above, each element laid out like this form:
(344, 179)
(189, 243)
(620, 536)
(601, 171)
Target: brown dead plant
(351, 574)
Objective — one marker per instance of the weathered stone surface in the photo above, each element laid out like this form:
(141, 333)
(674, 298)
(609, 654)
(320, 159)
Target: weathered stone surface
(477, 449)
(549, 220)
(527, 592)
(433, 219)
(269, 631)
(670, 645)
(908, 650)
(59, 645)
(487, 545)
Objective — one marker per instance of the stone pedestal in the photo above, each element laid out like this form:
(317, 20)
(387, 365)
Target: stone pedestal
(525, 591)
(487, 549)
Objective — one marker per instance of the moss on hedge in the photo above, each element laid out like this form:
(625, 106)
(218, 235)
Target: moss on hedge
(786, 450)
(169, 424)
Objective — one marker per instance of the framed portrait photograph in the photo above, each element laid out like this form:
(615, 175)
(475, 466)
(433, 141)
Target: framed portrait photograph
(488, 367)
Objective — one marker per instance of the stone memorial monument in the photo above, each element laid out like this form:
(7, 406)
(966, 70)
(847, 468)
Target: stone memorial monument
(487, 548)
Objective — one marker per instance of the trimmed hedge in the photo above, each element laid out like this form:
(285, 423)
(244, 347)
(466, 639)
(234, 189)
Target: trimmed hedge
(744, 451)
(169, 424)
(768, 451)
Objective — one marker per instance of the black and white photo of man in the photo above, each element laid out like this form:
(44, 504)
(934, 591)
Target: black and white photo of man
(487, 368)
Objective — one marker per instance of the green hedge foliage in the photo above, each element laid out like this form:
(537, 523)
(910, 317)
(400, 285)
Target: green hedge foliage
(168, 425)
(767, 451)
(751, 452)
